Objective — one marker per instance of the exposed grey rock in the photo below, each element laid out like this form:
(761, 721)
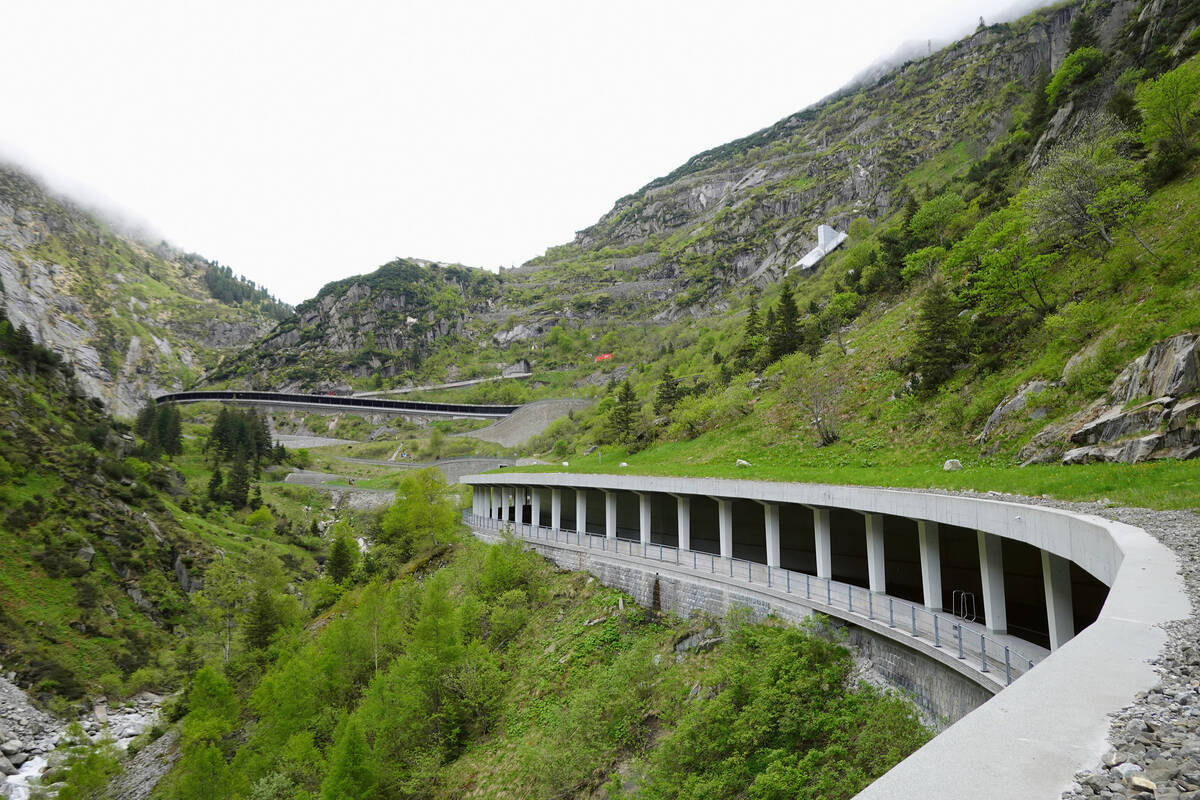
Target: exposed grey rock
(143, 772)
(182, 575)
(1170, 367)
(1012, 405)
(952, 465)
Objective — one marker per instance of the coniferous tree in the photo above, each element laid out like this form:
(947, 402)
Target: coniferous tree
(623, 417)
(668, 393)
(145, 420)
(784, 336)
(937, 347)
(341, 559)
(239, 481)
(215, 484)
(262, 619)
(751, 335)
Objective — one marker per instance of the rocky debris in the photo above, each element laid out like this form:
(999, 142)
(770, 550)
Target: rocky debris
(28, 736)
(952, 465)
(1122, 428)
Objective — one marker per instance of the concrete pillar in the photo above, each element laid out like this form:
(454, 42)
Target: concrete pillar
(535, 506)
(644, 517)
(492, 504)
(725, 526)
(876, 569)
(610, 515)
(1056, 575)
(555, 509)
(928, 540)
(991, 568)
(821, 543)
(683, 518)
(771, 525)
(581, 510)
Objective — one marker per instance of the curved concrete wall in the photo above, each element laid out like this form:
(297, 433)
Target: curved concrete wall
(1030, 739)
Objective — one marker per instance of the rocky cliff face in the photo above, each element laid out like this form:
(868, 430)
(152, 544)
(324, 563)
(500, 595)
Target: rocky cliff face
(134, 321)
(378, 324)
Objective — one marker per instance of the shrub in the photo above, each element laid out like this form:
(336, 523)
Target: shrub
(1076, 70)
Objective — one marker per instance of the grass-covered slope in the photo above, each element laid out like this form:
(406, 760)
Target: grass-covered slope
(106, 541)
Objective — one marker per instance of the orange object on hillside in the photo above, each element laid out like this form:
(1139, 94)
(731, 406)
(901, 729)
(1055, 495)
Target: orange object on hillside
(604, 357)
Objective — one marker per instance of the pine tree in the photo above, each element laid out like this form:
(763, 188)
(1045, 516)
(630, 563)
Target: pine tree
(783, 337)
(937, 347)
(668, 393)
(341, 559)
(145, 420)
(215, 484)
(751, 335)
(239, 481)
(622, 418)
(262, 619)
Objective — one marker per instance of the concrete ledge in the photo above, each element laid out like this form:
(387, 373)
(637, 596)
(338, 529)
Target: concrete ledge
(1031, 738)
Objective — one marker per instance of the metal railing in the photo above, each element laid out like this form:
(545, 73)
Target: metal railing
(945, 632)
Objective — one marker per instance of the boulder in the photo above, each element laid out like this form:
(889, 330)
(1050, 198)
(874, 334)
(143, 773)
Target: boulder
(952, 465)
(6, 767)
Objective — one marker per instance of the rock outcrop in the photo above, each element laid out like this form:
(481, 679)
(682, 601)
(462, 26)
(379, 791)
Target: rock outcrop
(1152, 411)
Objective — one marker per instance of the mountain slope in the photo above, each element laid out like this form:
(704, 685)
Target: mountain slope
(385, 323)
(133, 320)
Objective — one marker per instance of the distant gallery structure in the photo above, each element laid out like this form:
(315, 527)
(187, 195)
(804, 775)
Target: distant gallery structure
(828, 239)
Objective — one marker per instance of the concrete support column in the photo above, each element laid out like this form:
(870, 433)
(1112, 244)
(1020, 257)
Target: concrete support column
(991, 568)
(535, 506)
(581, 510)
(1056, 575)
(610, 515)
(555, 509)
(876, 569)
(644, 517)
(683, 518)
(771, 525)
(491, 501)
(725, 526)
(929, 541)
(821, 543)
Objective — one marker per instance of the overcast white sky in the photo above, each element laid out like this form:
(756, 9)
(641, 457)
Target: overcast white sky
(302, 142)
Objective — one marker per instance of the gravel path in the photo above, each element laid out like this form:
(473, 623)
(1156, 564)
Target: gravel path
(295, 441)
(1155, 741)
(527, 421)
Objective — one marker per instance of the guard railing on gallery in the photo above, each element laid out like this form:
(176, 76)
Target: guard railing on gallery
(942, 631)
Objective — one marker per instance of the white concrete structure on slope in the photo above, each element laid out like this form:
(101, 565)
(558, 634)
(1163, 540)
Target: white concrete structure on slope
(1039, 573)
(827, 240)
